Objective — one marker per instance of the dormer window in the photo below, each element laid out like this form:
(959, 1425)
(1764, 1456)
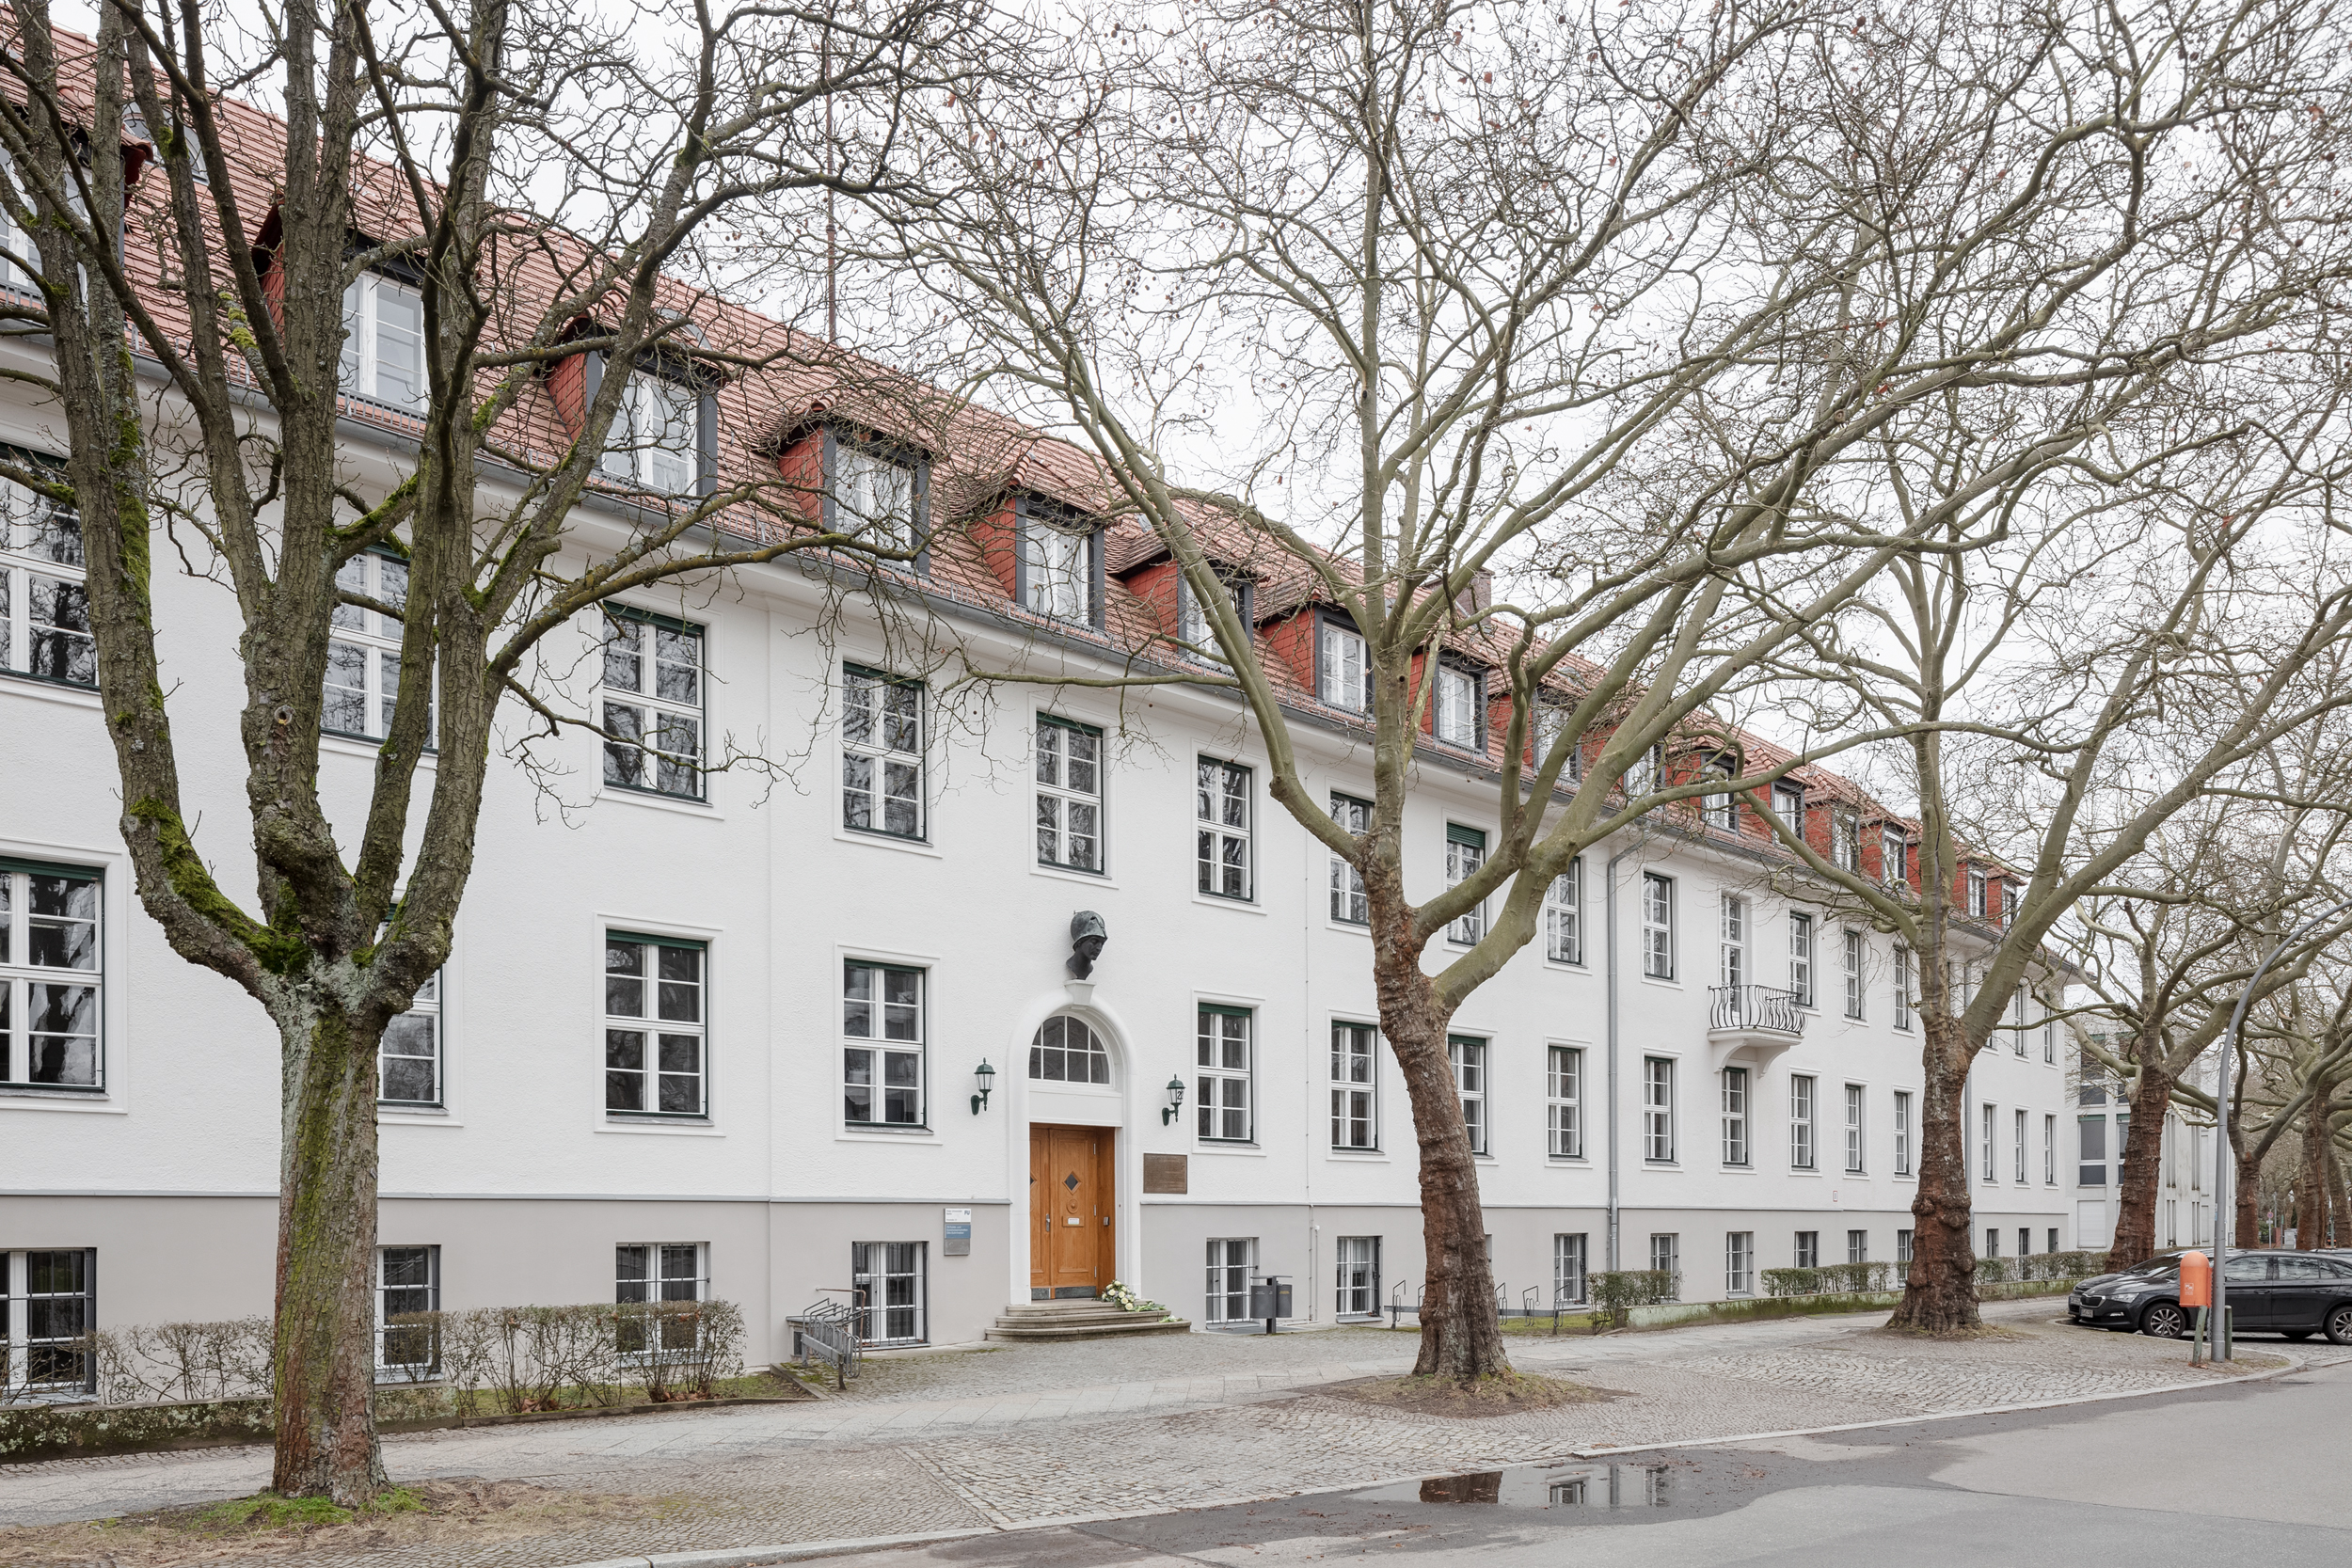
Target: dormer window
(1551, 723)
(1718, 811)
(1845, 838)
(1789, 805)
(1979, 893)
(1457, 718)
(1061, 561)
(655, 438)
(384, 342)
(1894, 854)
(1192, 619)
(1343, 673)
(873, 496)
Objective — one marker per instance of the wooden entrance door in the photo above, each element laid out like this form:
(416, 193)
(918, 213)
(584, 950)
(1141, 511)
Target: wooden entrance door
(1072, 1210)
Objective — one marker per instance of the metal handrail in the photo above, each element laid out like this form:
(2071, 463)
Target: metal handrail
(1753, 1007)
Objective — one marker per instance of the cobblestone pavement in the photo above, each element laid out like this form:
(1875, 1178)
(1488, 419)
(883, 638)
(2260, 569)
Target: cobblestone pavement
(1033, 1433)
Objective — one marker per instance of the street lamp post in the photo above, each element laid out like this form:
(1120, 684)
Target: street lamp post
(2224, 1167)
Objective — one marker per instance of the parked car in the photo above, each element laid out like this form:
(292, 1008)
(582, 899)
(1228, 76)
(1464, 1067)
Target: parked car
(2295, 1294)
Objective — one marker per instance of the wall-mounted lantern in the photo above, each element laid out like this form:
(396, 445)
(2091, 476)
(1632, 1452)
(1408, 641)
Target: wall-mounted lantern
(985, 1076)
(1175, 1100)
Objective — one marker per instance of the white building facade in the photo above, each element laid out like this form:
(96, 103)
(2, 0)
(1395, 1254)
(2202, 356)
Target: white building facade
(718, 1033)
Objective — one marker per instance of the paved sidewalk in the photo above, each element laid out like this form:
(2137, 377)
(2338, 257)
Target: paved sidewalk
(1024, 1433)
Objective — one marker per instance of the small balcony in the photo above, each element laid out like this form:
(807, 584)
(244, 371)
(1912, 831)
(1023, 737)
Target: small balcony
(1761, 1021)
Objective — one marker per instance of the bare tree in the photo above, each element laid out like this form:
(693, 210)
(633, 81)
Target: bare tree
(2165, 952)
(1604, 303)
(531, 174)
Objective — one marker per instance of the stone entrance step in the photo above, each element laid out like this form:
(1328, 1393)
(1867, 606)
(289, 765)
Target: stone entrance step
(1030, 1322)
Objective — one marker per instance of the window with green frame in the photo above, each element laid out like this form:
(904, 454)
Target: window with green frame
(52, 967)
(1225, 1062)
(1069, 794)
(651, 703)
(882, 754)
(655, 1026)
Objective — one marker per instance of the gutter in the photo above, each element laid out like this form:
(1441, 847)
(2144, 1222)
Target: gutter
(1609, 898)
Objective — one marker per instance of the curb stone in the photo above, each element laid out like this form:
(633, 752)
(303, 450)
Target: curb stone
(803, 1551)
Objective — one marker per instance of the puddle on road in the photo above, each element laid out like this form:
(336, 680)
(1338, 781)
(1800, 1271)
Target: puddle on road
(1595, 1485)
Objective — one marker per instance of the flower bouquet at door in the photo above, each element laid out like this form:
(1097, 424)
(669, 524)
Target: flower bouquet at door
(1121, 1295)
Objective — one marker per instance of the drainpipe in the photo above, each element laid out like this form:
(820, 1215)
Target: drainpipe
(1610, 896)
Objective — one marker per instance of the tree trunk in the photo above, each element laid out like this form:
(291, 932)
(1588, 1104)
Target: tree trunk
(2143, 1146)
(325, 1356)
(1461, 1334)
(1940, 1291)
(2243, 1196)
(2311, 1186)
(2340, 1219)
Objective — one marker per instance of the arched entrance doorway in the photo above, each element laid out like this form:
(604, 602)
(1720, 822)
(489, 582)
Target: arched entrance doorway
(1075, 1106)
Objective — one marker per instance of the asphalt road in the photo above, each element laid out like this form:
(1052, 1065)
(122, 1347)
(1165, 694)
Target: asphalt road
(2253, 1473)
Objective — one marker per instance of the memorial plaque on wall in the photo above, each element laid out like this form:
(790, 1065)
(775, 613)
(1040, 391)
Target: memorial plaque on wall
(956, 1241)
(1164, 1173)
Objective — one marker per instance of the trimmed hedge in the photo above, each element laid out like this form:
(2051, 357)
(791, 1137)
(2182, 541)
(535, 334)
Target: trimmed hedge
(1615, 1293)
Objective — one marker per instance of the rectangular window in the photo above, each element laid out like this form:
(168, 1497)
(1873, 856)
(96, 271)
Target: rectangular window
(1894, 855)
(1658, 925)
(2092, 1158)
(44, 598)
(52, 966)
(1563, 1094)
(1349, 903)
(1903, 1246)
(362, 682)
(2049, 1038)
(645, 1273)
(1221, 828)
(1902, 986)
(2049, 1152)
(1718, 811)
(1057, 566)
(881, 1053)
(1465, 852)
(2020, 1149)
(1902, 1133)
(1552, 723)
(882, 754)
(1467, 1055)
(1569, 1259)
(1665, 1256)
(872, 498)
(408, 1054)
(1854, 1150)
(654, 1028)
(891, 1294)
(407, 1284)
(1801, 958)
(1789, 805)
(1223, 1061)
(1658, 1109)
(2025, 1241)
(383, 342)
(2053, 1238)
(652, 704)
(1977, 891)
(1735, 1116)
(2017, 1021)
(1457, 718)
(1986, 1167)
(1800, 1104)
(1230, 1261)
(1069, 794)
(1857, 1247)
(1854, 952)
(655, 439)
(1564, 915)
(1343, 676)
(1845, 838)
(1808, 1249)
(1739, 1263)
(1358, 1292)
(1733, 967)
(1992, 1242)
(48, 1310)
(1355, 1086)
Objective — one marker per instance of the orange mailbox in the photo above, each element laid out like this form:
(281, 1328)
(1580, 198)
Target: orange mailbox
(2196, 1279)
